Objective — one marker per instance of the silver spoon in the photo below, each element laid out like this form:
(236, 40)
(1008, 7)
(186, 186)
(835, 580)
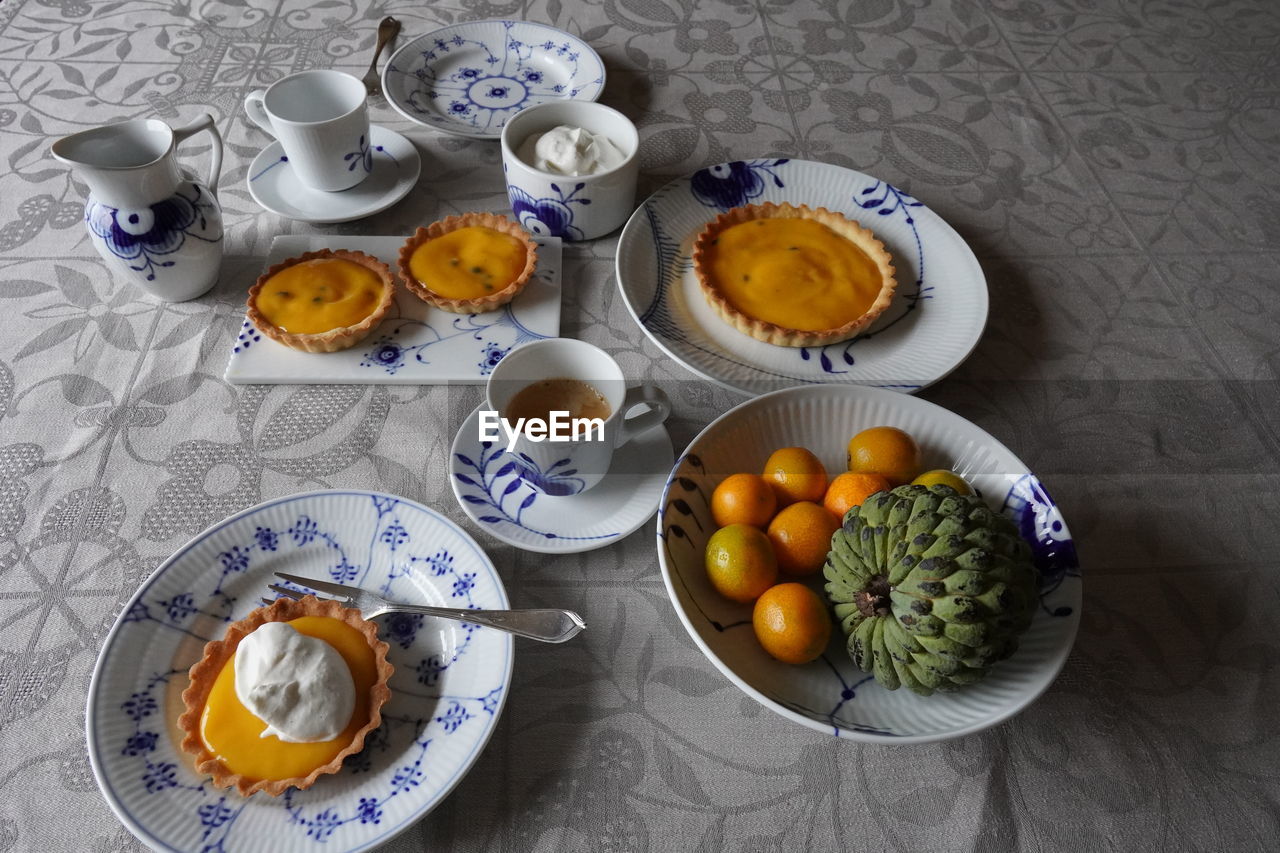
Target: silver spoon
(387, 30)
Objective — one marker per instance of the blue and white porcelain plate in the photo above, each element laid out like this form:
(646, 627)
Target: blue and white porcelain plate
(450, 682)
(493, 493)
(939, 308)
(469, 78)
(391, 160)
(416, 344)
(831, 694)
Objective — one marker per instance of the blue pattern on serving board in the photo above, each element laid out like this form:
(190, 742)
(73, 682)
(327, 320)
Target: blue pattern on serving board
(498, 77)
(499, 482)
(149, 235)
(389, 546)
(497, 337)
(1027, 503)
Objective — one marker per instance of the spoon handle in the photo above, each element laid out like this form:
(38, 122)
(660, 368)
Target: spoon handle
(388, 29)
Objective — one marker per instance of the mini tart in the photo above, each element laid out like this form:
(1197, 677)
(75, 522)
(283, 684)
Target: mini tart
(504, 287)
(349, 331)
(219, 653)
(838, 299)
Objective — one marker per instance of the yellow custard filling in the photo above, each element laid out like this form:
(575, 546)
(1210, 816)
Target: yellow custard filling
(233, 734)
(320, 295)
(795, 273)
(469, 263)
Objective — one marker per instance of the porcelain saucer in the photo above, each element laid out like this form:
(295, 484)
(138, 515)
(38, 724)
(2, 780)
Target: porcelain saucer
(494, 496)
(274, 185)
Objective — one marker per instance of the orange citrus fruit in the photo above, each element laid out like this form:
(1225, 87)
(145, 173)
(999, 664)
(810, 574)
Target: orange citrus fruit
(792, 623)
(740, 562)
(943, 477)
(796, 475)
(850, 489)
(743, 499)
(887, 451)
(801, 537)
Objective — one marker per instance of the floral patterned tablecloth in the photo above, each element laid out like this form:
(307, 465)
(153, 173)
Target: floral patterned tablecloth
(1115, 165)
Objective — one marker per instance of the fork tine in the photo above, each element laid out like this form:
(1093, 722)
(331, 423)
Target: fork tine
(337, 589)
(285, 591)
(268, 601)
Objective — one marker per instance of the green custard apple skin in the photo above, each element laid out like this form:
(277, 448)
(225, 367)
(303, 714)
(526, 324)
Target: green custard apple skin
(930, 587)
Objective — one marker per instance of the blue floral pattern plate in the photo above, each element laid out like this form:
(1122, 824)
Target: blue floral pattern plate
(939, 308)
(562, 519)
(416, 344)
(469, 78)
(831, 694)
(450, 683)
(391, 161)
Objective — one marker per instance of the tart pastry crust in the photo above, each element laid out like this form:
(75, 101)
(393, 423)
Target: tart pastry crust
(476, 305)
(333, 340)
(219, 652)
(773, 333)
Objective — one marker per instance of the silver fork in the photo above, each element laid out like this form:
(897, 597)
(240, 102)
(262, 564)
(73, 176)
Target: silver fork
(549, 626)
(387, 30)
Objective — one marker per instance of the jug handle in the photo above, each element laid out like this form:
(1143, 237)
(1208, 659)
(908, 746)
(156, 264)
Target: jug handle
(205, 122)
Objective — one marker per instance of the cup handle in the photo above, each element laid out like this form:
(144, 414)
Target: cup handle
(659, 411)
(257, 112)
(205, 122)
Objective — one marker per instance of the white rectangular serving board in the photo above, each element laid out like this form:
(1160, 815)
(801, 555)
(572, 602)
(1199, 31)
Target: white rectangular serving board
(415, 344)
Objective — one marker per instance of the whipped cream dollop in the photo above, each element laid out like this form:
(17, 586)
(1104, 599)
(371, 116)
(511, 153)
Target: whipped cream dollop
(298, 685)
(566, 150)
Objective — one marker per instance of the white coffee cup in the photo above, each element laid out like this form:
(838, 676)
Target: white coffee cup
(569, 467)
(322, 123)
(572, 207)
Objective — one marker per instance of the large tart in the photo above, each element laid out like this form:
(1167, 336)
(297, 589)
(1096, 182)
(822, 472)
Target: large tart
(793, 276)
(468, 264)
(226, 737)
(322, 301)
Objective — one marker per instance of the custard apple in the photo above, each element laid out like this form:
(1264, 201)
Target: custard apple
(930, 586)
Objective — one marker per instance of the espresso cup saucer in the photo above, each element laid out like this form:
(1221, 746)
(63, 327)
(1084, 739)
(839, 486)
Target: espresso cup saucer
(394, 165)
(495, 496)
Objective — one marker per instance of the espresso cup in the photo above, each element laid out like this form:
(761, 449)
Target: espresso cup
(572, 207)
(322, 124)
(569, 467)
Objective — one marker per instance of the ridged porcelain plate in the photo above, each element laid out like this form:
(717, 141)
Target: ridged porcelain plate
(832, 694)
(939, 307)
(450, 683)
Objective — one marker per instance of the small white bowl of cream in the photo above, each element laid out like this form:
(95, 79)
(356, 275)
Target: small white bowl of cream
(571, 168)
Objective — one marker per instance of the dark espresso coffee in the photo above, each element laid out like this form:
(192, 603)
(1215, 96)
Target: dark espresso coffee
(545, 396)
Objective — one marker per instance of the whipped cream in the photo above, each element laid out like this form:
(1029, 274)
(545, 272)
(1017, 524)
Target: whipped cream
(298, 685)
(566, 150)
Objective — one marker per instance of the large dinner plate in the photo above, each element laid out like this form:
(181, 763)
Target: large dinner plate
(468, 79)
(449, 686)
(831, 694)
(939, 308)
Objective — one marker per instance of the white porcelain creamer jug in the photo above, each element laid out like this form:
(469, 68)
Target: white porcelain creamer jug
(153, 221)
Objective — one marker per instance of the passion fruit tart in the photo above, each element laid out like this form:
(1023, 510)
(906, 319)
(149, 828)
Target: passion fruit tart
(322, 301)
(468, 264)
(285, 696)
(793, 276)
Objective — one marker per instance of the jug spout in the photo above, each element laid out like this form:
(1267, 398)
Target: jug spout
(131, 163)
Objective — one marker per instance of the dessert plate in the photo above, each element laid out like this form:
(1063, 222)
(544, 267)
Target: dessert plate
(394, 164)
(469, 78)
(939, 308)
(832, 694)
(449, 687)
(496, 498)
(416, 344)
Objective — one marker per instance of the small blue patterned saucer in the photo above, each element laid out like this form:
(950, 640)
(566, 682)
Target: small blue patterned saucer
(469, 78)
(495, 496)
(448, 689)
(391, 160)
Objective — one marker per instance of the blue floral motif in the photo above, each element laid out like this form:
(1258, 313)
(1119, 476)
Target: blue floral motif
(1040, 523)
(368, 810)
(402, 628)
(492, 355)
(148, 234)
(727, 185)
(160, 776)
(266, 538)
(429, 670)
(303, 530)
(495, 466)
(454, 717)
(389, 355)
(345, 571)
(179, 607)
(214, 815)
(138, 706)
(139, 742)
(248, 336)
(547, 216)
(362, 156)
(395, 535)
(557, 480)
(323, 825)
(463, 584)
